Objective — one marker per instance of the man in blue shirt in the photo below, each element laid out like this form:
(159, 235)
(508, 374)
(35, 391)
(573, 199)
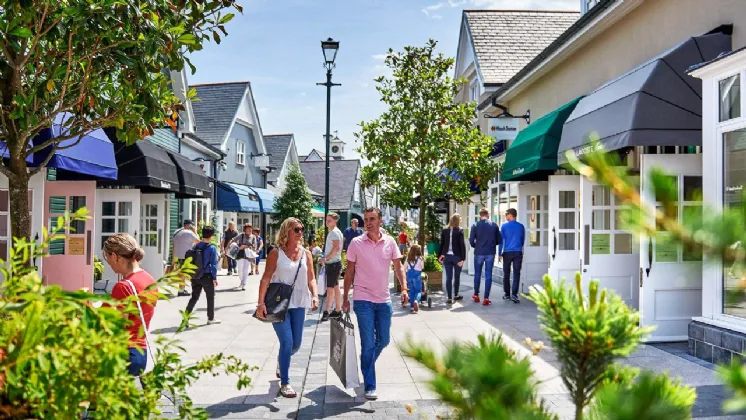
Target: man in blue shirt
(351, 233)
(484, 238)
(209, 279)
(511, 253)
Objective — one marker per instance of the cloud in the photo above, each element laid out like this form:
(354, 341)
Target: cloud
(379, 57)
(428, 11)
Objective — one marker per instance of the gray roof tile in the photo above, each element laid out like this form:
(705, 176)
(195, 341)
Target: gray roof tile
(506, 40)
(342, 176)
(277, 147)
(215, 109)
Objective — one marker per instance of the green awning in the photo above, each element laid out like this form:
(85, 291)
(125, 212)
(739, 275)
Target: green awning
(533, 154)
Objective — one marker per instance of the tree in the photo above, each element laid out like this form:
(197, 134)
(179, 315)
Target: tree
(101, 62)
(295, 200)
(425, 144)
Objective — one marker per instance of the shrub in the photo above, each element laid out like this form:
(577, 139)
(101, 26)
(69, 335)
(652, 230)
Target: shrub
(432, 265)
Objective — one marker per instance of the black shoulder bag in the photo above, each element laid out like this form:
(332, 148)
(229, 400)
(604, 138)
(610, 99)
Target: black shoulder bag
(277, 299)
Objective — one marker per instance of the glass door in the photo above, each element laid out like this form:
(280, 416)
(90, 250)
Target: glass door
(119, 211)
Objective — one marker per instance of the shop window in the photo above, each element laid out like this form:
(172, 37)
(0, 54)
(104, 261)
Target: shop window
(149, 225)
(5, 229)
(730, 97)
(734, 180)
(567, 227)
(537, 213)
(240, 152)
(607, 236)
(115, 218)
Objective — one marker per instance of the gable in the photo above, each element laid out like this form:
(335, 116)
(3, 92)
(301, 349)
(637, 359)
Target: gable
(314, 156)
(465, 57)
(244, 112)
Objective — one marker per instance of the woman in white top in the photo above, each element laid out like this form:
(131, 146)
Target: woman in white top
(283, 267)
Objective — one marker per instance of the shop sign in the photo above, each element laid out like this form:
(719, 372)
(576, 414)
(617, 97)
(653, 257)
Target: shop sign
(166, 185)
(502, 128)
(76, 246)
(601, 244)
(584, 150)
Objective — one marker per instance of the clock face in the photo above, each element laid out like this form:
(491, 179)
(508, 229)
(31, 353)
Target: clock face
(335, 149)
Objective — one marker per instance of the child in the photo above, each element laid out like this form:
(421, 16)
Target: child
(415, 265)
(315, 249)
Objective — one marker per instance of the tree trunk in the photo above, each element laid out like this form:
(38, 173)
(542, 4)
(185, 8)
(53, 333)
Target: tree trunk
(20, 220)
(421, 236)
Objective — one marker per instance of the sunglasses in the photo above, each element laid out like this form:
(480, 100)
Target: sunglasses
(298, 230)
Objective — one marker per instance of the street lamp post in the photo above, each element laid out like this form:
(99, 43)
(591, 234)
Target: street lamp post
(330, 48)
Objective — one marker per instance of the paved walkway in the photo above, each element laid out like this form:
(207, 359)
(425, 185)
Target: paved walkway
(402, 381)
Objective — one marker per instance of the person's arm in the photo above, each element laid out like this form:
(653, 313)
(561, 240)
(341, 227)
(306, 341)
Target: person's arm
(260, 246)
(463, 248)
(441, 248)
(312, 281)
(269, 270)
(399, 274)
(473, 236)
(214, 264)
(334, 251)
(500, 243)
(523, 237)
(195, 238)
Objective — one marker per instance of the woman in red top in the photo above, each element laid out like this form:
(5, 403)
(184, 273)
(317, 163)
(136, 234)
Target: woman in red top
(123, 253)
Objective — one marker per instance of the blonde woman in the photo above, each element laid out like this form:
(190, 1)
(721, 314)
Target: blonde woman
(291, 264)
(123, 254)
(453, 254)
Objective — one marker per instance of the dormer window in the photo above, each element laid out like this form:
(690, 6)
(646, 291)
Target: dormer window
(240, 152)
(473, 91)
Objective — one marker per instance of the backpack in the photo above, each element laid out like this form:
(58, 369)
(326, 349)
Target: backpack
(196, 254)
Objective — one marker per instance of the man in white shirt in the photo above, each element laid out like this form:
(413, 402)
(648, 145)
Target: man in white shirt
(332, 262)
(184, 239)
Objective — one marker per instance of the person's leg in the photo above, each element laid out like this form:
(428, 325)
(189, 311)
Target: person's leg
(337, 298)
(366, 327)
(138, 361)
(285, 335)
(506, 273)
(243, 270)
(456, 278)
(489, 264)
(297, 318)
(517, 262)
(383, 313)
(209, 287)
(449, 276)
(196, 291)
(478, 264)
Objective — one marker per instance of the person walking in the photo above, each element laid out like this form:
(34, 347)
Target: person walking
(511, 253)
(228, 237)
(209, 278)
(403, 241)
(246, 258)
(332, 262)
(289, 263)
(415, 265)
(259, 250)
(123, 254)
(351, 233)
(452, 255)
(484, 238)
(369, 260)
(184, 239)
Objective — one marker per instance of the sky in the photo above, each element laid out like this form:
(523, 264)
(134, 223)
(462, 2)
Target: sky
(276, 45)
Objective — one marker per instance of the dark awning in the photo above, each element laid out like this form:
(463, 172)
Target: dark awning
(193, 183)
(656, 104)
(533, 154)
(145, 166)
(236, 198)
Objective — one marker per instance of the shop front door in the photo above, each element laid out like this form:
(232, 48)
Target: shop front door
(153, 234)
(534, 215)
(671, 283)
(564, 227)
(70, 260)
(608, 253)
(118, 212)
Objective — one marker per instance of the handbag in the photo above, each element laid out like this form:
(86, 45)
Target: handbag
(277, 300)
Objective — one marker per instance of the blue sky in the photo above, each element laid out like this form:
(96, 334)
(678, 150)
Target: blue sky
(276, 46)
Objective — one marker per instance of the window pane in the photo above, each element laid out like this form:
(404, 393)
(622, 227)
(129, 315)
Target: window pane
(3, 226)
(125, 208)
(57, 204)
(601, 220)
(692, 188)
(534, 220)
(672, 182)
(566, 241)
(153, 212)
(730, 97)
(77, 227)
(123, 225)
(533, 238)
(567, 199)
(622, 243)
(672, 213)
(734, 166)
(151, 225)
(107, 226)
(601, 196)
(4, 200)
(105, 237)
(108, 208)
(544, 238)
(567, 220)
(153, 239)
(77, 202)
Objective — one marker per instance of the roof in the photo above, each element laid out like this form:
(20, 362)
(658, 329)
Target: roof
(505, 41)
(321, 155)
(205, 144)
(342, 176)
(216, 108)
(562, 38)
(277, 147)
(715, 60)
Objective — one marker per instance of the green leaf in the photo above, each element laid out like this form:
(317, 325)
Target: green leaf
(227, 18)
(22, 32)
(188, 39)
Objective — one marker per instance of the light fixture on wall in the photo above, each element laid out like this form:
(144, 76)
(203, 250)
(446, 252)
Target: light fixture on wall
(506, 114)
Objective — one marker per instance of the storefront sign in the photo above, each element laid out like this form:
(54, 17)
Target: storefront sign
(601, 244)
(502, 128)
(584, 150)
(76, 246)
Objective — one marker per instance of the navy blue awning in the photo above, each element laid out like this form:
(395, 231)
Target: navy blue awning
(236, 198)
(91, 154)
(266, 199)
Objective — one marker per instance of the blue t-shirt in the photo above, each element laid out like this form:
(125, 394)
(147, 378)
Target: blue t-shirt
(209, 259)
(349, 235)
(513, 235)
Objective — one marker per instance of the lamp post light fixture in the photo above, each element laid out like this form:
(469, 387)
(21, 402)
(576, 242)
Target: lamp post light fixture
(330, 48)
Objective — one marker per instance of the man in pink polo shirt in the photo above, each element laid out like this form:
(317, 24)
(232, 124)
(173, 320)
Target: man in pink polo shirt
(369, 259)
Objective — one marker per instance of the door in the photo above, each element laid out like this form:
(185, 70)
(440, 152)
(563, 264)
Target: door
(70, 260)
(608, 253)
(671, 283)
(564, 227)
(534, 215)
(118, 212)
(153, 234)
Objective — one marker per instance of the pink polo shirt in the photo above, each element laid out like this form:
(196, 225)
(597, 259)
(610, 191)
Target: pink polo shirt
(372, 267)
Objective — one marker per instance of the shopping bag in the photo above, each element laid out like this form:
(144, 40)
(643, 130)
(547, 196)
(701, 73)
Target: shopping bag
(321, 282)
(224, 262)
(343, 356)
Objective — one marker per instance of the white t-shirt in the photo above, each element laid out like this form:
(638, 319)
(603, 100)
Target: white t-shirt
(286, 272)
(334, 235)
(183, 242)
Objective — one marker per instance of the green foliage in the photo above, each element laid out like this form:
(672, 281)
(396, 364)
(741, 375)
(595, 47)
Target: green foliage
(734, 377)
(432, 265)
(98, 268)
(433, 224)
(59, 354)
(295, 201)
(102, 62)
(482, 381)
(422, 132)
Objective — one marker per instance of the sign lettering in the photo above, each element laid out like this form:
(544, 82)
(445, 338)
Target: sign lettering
(502, 128)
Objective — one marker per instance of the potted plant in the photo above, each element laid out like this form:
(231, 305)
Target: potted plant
(434, 270)
(433, 226)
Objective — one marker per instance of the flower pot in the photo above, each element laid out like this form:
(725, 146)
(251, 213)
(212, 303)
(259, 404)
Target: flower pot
(435, 278)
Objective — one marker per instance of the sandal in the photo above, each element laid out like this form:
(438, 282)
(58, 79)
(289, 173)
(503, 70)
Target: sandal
(287, 391)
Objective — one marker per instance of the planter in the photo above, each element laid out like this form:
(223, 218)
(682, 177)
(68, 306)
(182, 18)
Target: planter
(432, 247)
(435, 279)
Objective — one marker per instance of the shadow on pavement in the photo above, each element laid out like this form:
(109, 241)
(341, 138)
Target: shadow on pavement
(318, 408)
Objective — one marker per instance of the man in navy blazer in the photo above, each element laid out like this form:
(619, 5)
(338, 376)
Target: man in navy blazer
(484, 238)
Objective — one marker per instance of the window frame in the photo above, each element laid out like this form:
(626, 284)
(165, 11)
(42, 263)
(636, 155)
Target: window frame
(240, 153)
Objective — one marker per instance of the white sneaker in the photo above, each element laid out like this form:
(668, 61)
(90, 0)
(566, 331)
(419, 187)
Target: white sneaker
(371, 395)
(213, 321)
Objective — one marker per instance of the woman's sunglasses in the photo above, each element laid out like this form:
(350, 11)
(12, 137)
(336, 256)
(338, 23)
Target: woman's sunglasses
(298, 230)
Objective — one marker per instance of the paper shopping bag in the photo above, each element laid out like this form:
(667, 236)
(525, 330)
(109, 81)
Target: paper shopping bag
(321, 282)
(343, 357)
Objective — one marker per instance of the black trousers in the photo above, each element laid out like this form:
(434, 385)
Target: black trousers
(514, 258)
(197, 286)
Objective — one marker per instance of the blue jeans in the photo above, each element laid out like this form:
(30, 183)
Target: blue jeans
(290, 333)
(374, 323)
(231, 265)
(488, 261)
(138, 361)
(514, 258)
(451, 264)
(414, 284)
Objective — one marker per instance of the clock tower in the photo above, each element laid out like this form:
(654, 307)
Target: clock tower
(337, 147)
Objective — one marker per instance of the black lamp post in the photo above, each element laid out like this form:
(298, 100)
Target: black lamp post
(330, 48)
